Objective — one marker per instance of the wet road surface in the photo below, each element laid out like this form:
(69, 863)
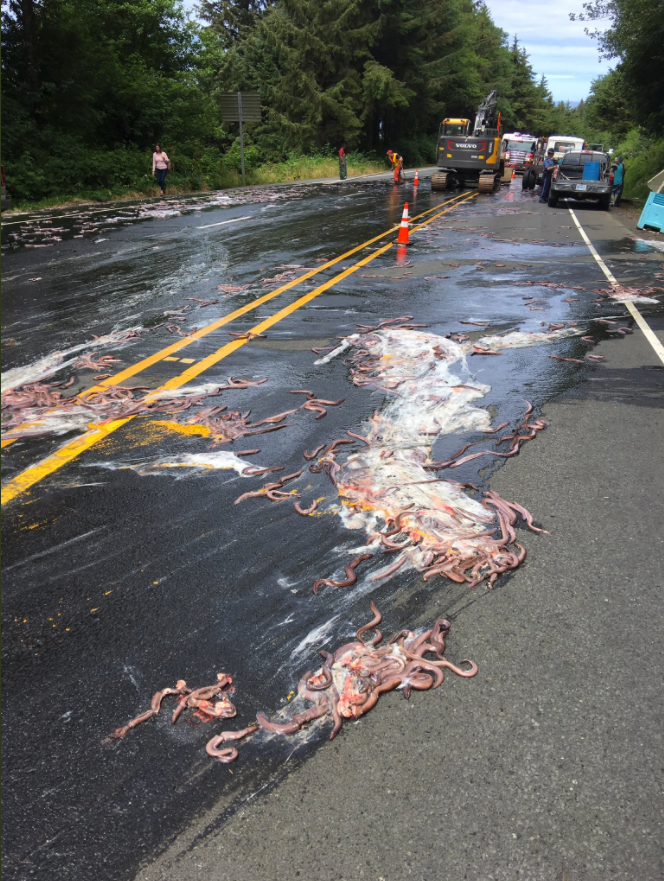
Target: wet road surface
(125, 570)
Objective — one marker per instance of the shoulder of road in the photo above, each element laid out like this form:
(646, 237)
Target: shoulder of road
(425, 171)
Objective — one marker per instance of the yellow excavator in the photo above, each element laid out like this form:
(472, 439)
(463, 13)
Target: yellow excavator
(475, 160)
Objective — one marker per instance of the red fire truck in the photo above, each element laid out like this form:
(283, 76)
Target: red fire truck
(519, 151)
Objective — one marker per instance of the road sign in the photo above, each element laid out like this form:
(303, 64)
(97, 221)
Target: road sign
(241, 107)
(249, 102)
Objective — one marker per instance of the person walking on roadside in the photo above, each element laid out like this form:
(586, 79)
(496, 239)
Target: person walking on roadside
(549, 165)
(343, 174)
(396, 161)
(160, 163)
(618, 181)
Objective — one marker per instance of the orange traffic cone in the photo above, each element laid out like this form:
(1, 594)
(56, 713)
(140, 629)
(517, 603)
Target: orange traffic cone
(417, 178)
(513, 173)
(402, 238)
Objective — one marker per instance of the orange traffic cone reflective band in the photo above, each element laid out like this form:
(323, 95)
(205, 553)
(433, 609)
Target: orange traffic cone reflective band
(402, 238)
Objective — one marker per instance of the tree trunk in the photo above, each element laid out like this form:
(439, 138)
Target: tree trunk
(29, 23)
(369, 132)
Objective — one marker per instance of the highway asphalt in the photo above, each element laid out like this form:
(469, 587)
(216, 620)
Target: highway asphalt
(123, 573)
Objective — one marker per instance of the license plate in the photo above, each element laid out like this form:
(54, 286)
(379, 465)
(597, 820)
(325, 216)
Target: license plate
(582, 186)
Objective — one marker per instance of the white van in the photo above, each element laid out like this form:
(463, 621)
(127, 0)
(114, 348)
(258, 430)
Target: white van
(562, 144)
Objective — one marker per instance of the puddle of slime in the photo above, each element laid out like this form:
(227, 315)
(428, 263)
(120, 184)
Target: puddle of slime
(56, 361)
(220, 460)
(388, 480)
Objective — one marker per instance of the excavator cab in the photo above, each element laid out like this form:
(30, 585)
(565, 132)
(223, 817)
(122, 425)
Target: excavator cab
(455, 128)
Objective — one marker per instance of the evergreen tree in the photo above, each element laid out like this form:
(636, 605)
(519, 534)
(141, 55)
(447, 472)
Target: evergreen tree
(635, 37)
(91, 84)
(231, 20)
(609, 107)
(374, 73)
(80, 76)
(527, 101)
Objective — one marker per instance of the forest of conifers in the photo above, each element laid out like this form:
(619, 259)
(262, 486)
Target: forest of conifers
(89, 86)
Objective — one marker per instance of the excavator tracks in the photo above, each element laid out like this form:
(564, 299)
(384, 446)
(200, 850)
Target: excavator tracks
(488, 183)
(439, 180)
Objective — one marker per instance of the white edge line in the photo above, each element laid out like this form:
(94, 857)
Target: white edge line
(636, 315)
(222, 222)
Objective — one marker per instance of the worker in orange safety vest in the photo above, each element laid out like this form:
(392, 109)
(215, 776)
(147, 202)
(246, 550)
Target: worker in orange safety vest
(396, 161)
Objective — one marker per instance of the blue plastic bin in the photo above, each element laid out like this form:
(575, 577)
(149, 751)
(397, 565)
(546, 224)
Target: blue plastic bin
(591, 171)
(652, 216)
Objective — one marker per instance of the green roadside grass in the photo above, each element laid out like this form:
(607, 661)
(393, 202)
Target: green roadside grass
(293, 169)
(643, 159)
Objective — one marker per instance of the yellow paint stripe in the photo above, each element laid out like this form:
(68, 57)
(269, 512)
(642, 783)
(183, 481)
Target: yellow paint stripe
(229, 348)
(120, 377)
(56, 460)
(164, 354)
(648, 332)
(33, 474)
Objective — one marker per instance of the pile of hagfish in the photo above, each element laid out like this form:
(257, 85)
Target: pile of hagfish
(347, 686)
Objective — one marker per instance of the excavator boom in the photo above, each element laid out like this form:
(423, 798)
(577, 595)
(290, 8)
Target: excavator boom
(486, 114)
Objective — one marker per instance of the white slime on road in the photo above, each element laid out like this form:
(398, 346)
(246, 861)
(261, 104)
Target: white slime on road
(220, 460)
(387, 482)
(430, 400)
(57, 361)
(61, 414)
(627, 295)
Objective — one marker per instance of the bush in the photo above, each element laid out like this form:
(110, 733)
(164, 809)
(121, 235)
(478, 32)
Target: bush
(233, 158)
(68, 167)
(643, 158)
(74, 171)
(416, 151)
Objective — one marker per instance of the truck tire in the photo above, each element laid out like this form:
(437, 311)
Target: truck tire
(439, 180)
(553, 201)
(529, 179)
(605, 203)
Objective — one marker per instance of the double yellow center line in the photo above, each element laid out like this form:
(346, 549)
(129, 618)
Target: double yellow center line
(33, 474)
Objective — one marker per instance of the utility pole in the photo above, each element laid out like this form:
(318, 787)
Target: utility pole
(239, 114)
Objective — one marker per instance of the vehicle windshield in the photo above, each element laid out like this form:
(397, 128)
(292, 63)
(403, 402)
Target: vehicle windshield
(582, 158)
(514, 146)
(564, 146)
(454, 128)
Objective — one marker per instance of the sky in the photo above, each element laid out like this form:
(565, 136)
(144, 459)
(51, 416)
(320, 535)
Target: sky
(556, 46)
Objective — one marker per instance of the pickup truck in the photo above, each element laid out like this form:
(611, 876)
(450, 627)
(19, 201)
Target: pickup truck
(584, 174)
